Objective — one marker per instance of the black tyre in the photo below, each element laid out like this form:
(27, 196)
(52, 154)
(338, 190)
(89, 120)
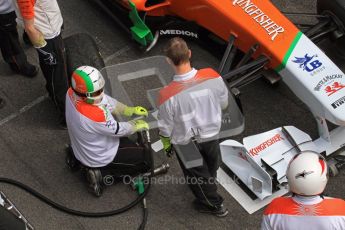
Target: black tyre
(81, 49)
(336, 9)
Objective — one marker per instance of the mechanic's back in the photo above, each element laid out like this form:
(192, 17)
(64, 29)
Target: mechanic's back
(191, 106)
(196, 99)
(307, 208)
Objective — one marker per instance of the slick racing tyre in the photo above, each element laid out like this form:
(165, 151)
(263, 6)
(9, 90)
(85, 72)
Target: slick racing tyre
(81, 49)
(336, 9)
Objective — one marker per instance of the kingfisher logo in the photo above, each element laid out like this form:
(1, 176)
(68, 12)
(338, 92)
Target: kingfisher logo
(260, 17)
(308, 63)
(256, 150)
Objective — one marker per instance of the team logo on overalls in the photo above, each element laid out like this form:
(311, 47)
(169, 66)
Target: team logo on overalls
(308, 63)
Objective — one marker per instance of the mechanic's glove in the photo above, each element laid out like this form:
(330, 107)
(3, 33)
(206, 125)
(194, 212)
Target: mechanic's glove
(139, 125)
(40, 42)
(166, 145)
(137, 110)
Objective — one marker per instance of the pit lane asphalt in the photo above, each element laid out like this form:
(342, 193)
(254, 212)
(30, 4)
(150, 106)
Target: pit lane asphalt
(32, 145)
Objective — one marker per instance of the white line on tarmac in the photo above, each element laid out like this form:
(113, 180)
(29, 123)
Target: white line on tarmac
(23, 109)
(117, 53)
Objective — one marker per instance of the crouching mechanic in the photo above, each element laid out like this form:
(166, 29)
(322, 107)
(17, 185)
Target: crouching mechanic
(191, 107)
(307, 208)
(97, 139)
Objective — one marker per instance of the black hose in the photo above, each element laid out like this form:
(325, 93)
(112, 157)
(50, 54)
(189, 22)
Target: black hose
(72, 211)
(149, 148)
(81, 213)
(142, 226)
(62, 208)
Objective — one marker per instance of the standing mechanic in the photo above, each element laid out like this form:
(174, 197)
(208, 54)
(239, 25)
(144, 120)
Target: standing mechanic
(97, 138)
(191, 107)
(307, 208)
(42, 21)
(11, 50)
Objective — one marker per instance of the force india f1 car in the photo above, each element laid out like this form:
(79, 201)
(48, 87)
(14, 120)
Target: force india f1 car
(260, 41)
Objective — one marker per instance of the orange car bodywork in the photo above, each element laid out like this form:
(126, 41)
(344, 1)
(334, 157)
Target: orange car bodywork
(251, 21)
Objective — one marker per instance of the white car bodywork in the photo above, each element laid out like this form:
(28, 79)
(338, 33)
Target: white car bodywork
(263, 153)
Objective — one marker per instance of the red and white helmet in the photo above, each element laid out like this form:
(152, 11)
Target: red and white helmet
(307, 174)
(88, 82)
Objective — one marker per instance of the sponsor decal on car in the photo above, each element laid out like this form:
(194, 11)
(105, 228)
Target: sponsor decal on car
(306, 63)
(272, 28)
(309, 64)
(335, 87)
(338, 103)
(178, 32)
(327, 80)
(256, 150)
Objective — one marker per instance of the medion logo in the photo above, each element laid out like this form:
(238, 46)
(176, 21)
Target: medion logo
(256, 150)
(178, 32)
(272, 29)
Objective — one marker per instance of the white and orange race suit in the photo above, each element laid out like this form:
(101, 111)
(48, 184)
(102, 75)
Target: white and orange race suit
(191, 105)
(93, 131)
(300, 213)
(47, 15)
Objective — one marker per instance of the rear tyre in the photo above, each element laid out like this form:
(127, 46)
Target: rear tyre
(336, 9)
(81, 50)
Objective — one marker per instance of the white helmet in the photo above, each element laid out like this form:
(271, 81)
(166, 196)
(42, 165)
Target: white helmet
(307, 174)
(88, 82)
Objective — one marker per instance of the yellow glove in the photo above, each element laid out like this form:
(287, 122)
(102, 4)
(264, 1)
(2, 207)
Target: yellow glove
(137, 110)
(39, 42)
(166, 145)
(139, 125)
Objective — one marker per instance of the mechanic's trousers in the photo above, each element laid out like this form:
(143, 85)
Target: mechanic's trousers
(52, 59)
(130, 159)
(202, 180)
(11, 50)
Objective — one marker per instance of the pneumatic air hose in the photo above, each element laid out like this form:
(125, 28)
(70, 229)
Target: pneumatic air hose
(93, 214)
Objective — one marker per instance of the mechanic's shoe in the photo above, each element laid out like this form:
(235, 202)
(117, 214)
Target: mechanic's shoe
(219, 211)
(72, 162)
(28, 70)
(94, 177)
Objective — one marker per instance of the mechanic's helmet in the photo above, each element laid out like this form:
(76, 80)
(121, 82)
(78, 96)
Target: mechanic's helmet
(88, 83)
(307, 174)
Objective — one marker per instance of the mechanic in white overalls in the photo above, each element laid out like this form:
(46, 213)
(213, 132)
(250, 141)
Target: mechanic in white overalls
(11, 50)
(97, 139)
(307, 208)
(191, 107)
(42, 21)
